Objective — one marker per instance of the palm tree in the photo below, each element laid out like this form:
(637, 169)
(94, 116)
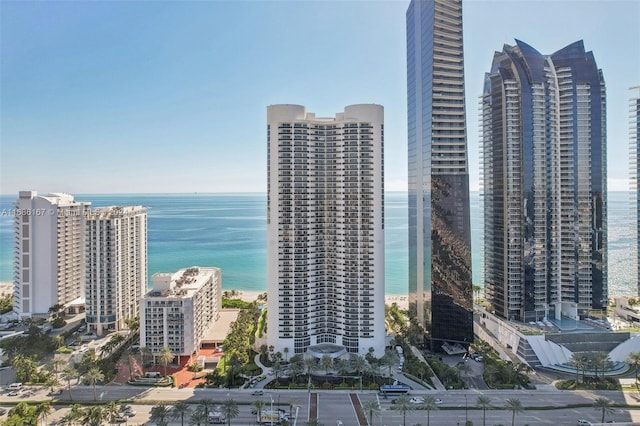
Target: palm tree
(198, 417)
(93, 376)
(484, 403)
(112, 411)
(179, 410)
(165, 358)
(429, 403)
(403, 403)
(43, 410)
(579, 362)
(310, 364)
(327, 362)
(463, 370)
(314, 422)
(158, 414)
(204, 406)
(94, 416)
(515, 406)
(371, 408)
(259, 404)
(603, 404)
(67, 374)
(292, 403)
(66, 420)
(633, 359)
(76, 412)
(230, 410)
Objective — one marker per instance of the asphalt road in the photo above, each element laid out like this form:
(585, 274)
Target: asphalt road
(334, 406)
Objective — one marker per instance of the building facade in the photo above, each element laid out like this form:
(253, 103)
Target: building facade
(634, 141)
(325, 229)
(440, 280)
(49, 261)
(116, 273)
(179, 310)
(544, 183)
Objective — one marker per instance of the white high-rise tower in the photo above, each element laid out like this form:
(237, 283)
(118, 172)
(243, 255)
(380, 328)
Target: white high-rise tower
(325, 230)
(116, 275)
(49, 260)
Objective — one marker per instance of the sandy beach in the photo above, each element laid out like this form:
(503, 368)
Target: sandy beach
(401, 300)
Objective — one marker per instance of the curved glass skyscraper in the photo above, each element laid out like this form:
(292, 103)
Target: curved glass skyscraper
(544, 178)
(440, 289)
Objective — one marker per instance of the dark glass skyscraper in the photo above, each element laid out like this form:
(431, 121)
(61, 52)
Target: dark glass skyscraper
(544, 179)
(440, 289)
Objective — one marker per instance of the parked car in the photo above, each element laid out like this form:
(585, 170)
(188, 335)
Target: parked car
(14, 393)
(583, 422)
(129, 413)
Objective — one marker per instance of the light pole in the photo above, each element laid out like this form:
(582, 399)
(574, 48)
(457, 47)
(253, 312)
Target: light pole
(271, 396)
(466, 418)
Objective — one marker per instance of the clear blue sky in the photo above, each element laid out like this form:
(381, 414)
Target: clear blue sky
(146, 96)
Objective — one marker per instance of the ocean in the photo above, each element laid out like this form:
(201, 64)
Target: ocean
(229, 231)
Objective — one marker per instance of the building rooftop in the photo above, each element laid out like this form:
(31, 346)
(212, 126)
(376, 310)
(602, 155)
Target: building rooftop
(182, 284)
(116, 211)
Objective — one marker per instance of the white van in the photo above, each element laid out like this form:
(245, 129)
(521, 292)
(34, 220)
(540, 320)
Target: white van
(15, 386)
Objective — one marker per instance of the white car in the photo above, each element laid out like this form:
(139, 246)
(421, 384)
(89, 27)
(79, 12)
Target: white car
(416, 400)
(438, 401)
(583, 422)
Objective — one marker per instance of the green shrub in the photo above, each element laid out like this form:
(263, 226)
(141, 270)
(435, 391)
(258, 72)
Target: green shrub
(64, 350)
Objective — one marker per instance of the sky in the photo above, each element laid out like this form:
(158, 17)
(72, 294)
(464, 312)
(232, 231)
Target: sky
(166, 97)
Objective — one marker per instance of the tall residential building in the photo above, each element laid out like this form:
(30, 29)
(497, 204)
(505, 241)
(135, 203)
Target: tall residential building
(440, 287)
(116, 274)
(325, 230)
(634, 141)
(544, 177)
(49, 261)
(179, 310)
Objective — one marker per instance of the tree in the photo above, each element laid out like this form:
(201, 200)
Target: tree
(165, 358)
(179, 410)
(204, 406)
(429, 403)
(515, 406)
(230, 410)
(43, 410)
(159, 413)
(604, 405)
(579, 362)
(93, 376)
(26, 368)
(326, 362)
(259, 404)
(198, 418)
(292, 403)
(22, 415)
(633, 360)
(94, 416)
(111, 411)
(314, 422)
(484, 403)
(132, 324)
(371, 408)
(310, 364)
(67, 374)
(403, 403)
(463, 370)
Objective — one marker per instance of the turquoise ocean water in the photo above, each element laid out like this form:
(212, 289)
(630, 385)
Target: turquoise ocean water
(229, 231)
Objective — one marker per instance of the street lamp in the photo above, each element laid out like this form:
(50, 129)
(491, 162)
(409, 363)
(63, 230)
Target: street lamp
(271, 396)
(466, 418)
